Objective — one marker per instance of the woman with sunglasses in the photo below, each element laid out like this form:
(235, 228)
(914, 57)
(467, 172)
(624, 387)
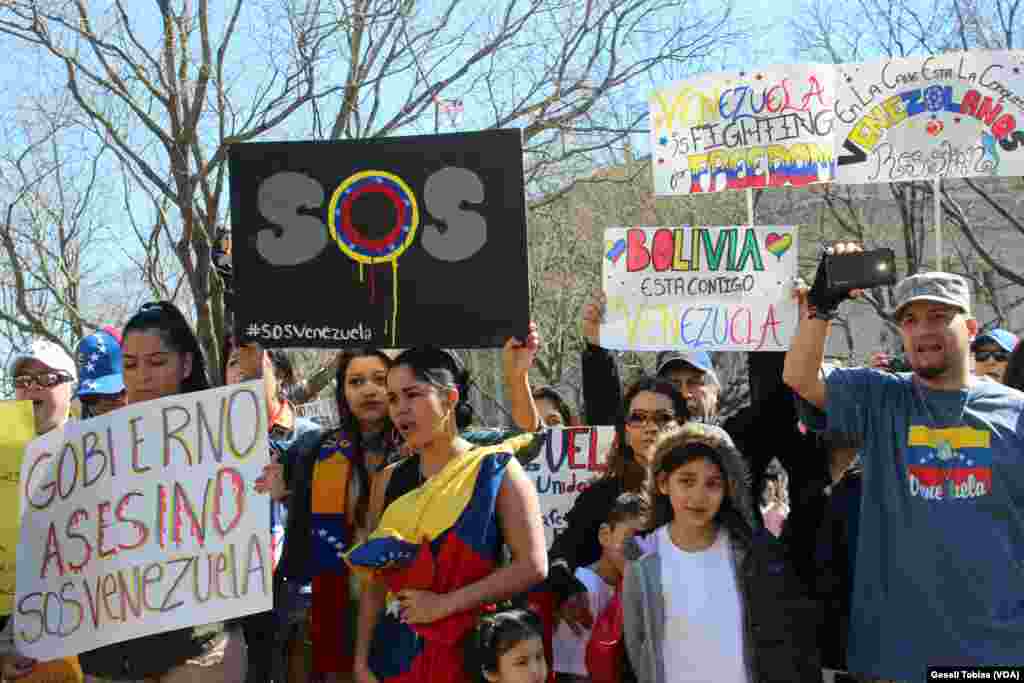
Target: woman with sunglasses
(992, 351)
(162, 358)
(650, 406)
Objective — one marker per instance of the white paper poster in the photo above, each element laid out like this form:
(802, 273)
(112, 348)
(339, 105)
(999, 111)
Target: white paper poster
(700, 288)
(571, 458)
(143, 521)
(955, 115)
(730, 131)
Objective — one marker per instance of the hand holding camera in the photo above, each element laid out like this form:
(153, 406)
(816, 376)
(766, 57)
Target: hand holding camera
(844, 271)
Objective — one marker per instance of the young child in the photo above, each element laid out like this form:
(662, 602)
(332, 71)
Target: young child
(507, 647)
(627, 516)
(714, 600)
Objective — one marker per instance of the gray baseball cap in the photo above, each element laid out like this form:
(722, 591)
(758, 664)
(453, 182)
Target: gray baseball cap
(942, 288)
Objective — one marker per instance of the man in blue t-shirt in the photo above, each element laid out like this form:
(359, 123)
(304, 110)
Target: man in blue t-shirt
(940, 562)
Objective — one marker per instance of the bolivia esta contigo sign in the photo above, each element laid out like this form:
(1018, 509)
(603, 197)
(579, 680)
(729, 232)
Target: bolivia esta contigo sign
(386, 242)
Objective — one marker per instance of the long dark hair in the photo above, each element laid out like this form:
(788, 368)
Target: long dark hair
(494, 635)
(350, 425)
(165, 319)
(348, 418)
(1014, 377)
(442, 369)
(694, 441)
(622, 462)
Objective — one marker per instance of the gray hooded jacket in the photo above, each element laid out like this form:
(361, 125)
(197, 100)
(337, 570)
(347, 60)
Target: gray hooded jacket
(779, 621)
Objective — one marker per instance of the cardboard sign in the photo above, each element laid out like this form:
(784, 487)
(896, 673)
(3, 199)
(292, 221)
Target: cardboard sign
(765, 128)
(700, 288)
(390, 242)
(143, 521)
(19, 428)
(954, 115)
(571, 459)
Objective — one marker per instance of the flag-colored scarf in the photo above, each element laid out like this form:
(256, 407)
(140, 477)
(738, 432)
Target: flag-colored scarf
(439, 537)
(330, 622)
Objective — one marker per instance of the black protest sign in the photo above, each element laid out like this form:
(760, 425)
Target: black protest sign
(388, 242)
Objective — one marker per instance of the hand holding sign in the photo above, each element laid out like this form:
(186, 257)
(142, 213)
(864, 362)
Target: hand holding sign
(592, 316)
(518, 356)
(272, 480)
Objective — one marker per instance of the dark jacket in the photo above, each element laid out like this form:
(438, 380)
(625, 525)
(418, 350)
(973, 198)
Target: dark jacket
(298, 463)
(149, 656)
(767, 428)
(780, 621)
(578, 545)
(836, 558)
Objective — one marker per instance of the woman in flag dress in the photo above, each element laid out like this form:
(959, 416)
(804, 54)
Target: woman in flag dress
(435, 559)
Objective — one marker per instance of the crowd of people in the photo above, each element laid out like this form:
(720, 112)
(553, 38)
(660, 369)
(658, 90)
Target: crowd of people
(834, 527)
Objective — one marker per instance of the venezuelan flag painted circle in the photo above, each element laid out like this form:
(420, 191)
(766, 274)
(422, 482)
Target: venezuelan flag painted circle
(353, 243)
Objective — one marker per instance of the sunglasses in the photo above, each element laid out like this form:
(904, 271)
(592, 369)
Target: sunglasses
(43, 380)
(660, 418)
(998, 356)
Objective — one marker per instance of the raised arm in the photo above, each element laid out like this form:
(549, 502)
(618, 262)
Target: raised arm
(805, 355)
(602, 390)
(817, 308)
(517, 359)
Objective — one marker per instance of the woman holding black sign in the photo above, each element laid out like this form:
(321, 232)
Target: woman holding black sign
(433, 562)
(162, 358)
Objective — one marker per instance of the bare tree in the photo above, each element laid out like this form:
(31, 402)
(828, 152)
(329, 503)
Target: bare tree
(170, 105)
(52, 234)
(984, 213)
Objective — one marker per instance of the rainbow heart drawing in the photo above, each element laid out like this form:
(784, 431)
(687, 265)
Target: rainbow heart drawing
(616, 250)
(778, 244)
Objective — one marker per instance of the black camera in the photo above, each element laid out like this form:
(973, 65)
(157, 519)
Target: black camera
(860, 270)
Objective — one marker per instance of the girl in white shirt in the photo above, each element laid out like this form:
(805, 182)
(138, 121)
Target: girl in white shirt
(715, 600)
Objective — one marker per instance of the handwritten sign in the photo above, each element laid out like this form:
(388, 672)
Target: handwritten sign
(142, 521)
(571, 459)
(707, 288)
(766, 128)
(18, 429)
(954, 115)
(423, 238)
